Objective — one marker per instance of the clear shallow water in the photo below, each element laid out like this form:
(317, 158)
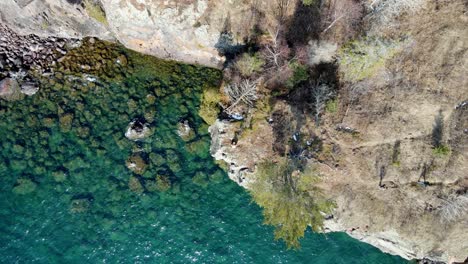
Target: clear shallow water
(65, 195)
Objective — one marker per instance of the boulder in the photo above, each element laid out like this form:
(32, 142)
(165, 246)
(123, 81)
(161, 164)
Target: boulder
(24, 186)
(29, 88)
(136, 163)
(138, 130)
(10, 90)
(80, 205)
(185, 131)
(135, 185)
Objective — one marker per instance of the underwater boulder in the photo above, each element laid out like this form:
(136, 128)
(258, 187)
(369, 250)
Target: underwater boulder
(200, 179)
(136, 163)
(66, 121)
(80, 204)
(135, 185)
(24, 186)
(59, 176)
(163, 183)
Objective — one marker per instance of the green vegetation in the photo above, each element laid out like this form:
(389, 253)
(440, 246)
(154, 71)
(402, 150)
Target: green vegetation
(332, 106)
(362, 59)
(290, 199)
(95, 11)
(249, 64)
(441, 150)
(308, 2)
(396, 154)
(299, 75)
(209, 105)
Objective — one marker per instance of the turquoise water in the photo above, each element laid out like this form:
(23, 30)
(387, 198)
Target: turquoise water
(66, 195)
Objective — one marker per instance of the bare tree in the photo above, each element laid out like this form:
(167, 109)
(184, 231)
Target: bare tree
(276, 52)
(244, 92)
(281, 9)
(345, 13)
(386, 10)
(321, 94)
(276, 11)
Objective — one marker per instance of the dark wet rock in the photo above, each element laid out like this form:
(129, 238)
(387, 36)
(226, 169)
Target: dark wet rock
(20, 55)
(10, 90)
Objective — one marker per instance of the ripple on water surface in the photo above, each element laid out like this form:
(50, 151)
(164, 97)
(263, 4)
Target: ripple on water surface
(67, 196)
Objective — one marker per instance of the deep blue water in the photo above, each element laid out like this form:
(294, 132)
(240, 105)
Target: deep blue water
(65, 195)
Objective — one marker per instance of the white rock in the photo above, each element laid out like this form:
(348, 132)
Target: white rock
(29, 88)
(138, 132)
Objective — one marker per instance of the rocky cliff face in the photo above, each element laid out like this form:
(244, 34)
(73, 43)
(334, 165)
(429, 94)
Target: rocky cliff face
(393, 189)
(186, 30)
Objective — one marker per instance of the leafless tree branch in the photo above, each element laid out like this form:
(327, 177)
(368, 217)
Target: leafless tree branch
(243, 92)
(321, 94)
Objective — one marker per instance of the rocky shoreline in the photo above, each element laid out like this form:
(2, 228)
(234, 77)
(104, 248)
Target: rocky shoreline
(23, 57)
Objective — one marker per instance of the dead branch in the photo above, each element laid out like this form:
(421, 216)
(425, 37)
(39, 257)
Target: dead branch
(243, 92)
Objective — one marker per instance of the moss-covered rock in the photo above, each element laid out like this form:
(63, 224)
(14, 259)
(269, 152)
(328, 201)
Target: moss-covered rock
(163, 183)
(24, 186)
(136, 163)
(65, 122)
(135, 185)
(200, 179)
(80, 205)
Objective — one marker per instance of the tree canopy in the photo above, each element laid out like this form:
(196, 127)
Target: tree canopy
(290, 199)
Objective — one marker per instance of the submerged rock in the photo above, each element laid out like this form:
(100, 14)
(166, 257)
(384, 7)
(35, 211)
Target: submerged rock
(59, 176)
(10, 90)
(135, 185)
(137, 164)
(66, 121)
(24, 186)
(80, 205)
(163, 183)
